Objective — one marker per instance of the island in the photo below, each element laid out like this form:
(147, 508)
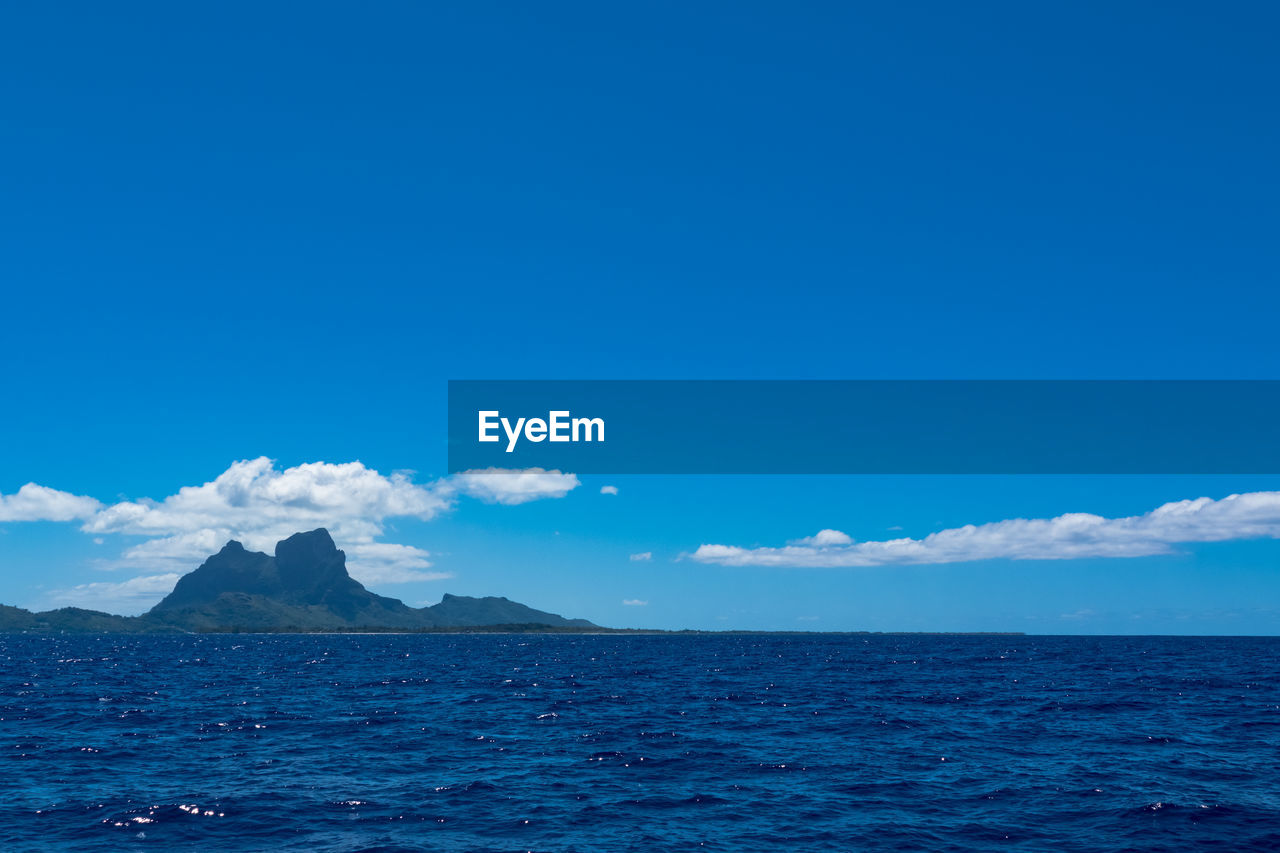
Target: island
(303, 588)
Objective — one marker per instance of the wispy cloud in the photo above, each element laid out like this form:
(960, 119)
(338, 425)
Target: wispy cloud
(508, 486)
(375, 563)
(643, 556)
(128, 597)
(1255, 515)
(634, 602)
(608, 490)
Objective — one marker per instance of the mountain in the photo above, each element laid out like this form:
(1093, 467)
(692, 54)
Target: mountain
(466, 612)
(304, 587)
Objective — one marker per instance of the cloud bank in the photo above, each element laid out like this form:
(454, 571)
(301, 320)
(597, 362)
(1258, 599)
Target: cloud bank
(1255, 515)
(259, 504)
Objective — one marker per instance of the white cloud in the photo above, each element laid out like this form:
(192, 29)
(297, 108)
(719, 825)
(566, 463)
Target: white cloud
(127, 597)
(259, 504)
(384, 562)
(255, 499)
(1255, 515)
(824, 538)
(507, 486)
(41, 503)
(644, 556)
(635, 602)
(185, 551)
(608, 490)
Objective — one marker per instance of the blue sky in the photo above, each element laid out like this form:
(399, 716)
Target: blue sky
(237, 233)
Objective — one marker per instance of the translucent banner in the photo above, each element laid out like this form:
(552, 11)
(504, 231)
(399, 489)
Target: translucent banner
(866, 427)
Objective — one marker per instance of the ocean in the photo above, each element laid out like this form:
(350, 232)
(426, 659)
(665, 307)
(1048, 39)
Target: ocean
(635, 742)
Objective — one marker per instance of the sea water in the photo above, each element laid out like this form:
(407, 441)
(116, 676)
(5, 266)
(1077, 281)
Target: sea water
(702, 742)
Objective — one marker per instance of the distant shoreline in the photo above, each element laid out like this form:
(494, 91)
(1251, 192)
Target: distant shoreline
(527, 630)
(594, 632)
(510, 629)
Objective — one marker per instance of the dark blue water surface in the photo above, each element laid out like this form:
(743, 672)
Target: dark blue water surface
(515, 742)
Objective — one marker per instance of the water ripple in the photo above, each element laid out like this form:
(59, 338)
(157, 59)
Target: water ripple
(506, 742)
